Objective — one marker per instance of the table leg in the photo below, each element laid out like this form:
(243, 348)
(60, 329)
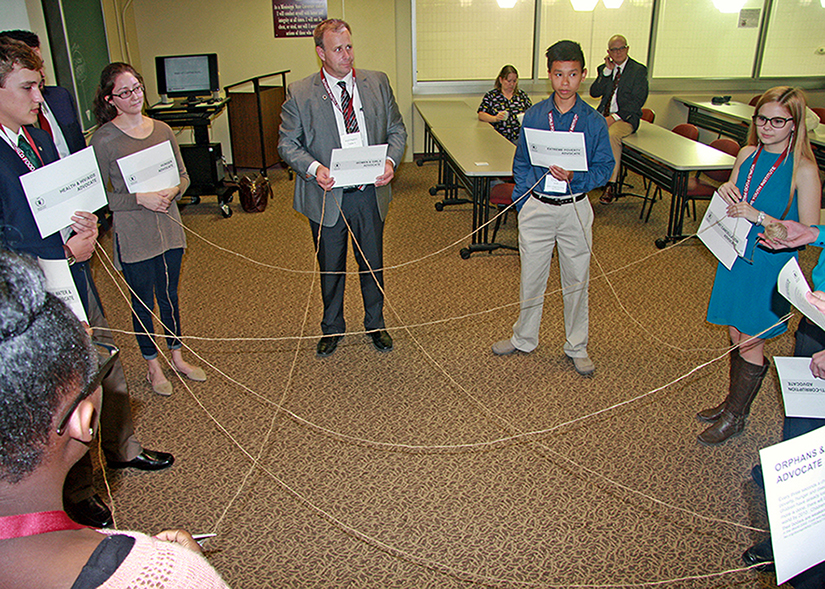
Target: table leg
(678, 190)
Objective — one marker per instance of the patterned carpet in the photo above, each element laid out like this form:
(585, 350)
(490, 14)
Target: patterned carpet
(438, 464)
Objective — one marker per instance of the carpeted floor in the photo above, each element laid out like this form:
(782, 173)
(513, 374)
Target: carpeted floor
(395, 470)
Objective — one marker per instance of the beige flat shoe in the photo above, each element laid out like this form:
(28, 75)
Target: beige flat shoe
(163, 389)
(197, 374)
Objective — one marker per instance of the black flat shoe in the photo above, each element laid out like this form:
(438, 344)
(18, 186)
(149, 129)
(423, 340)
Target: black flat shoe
(146, 460)
(760, 553)
(327, 345)
(381, 340)
(90, 512)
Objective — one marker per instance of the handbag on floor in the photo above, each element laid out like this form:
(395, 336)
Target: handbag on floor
(254, 194)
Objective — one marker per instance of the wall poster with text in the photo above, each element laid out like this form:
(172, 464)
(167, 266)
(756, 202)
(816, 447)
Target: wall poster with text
(297, 18)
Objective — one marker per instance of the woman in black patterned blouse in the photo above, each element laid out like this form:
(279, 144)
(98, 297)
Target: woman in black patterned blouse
(502, 105)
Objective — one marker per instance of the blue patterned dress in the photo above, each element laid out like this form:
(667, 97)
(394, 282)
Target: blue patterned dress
(746, 296)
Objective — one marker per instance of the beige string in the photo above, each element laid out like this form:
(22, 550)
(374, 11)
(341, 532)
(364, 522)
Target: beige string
(427, 562)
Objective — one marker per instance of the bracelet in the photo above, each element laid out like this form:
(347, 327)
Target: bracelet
(760, 217)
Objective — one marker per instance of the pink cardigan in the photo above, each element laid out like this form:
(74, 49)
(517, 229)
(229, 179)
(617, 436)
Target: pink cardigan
(161, 565)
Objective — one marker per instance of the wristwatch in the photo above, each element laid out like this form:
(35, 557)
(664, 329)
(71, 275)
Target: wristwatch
(69, 255)
(760, 217)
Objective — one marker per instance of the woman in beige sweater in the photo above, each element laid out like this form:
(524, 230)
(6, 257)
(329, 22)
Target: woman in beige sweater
(149, 238)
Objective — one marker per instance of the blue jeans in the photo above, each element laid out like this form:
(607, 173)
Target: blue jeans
(155, 278)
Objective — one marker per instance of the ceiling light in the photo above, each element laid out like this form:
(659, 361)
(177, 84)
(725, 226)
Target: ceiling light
(584, 5)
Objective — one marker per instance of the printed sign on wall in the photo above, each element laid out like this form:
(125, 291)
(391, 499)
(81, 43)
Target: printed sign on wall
(297, 18)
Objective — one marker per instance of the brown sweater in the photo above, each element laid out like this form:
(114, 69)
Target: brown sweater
(140, 234)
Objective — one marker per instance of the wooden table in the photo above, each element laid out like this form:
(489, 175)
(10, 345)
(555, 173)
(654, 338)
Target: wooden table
(471, 154)
(668, 160)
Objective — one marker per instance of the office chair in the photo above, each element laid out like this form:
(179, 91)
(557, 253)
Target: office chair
(820, 112)
(685, 130)
(501, 196)
(755, 99)
(698, 190)
(648, 115)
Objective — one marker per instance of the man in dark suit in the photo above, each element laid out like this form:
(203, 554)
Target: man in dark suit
(58, 114)
(335, 108)
(23, 149)
(622, 84)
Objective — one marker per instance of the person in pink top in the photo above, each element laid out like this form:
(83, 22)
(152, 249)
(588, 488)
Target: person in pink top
(50, 398)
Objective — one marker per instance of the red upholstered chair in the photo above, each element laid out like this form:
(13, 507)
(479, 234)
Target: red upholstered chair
(755, 99)
(501, 196)
(698, 190)
(648, 115)
(685, 130)
(820, 112)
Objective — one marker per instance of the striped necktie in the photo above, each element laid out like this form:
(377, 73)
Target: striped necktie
(28, 151)
(346, 108)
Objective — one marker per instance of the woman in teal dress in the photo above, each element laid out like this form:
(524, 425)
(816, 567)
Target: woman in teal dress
(775, 177)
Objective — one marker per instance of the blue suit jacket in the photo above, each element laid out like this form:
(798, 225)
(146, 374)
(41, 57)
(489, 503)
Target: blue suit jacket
(19, 229)
(63, 108)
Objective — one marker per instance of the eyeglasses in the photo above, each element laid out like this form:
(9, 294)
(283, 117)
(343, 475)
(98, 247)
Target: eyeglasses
(617, 49)
(776, 122)
(107, 356)
(128, 93)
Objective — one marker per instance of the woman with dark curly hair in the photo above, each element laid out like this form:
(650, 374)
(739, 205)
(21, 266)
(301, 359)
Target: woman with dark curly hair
(50, 398)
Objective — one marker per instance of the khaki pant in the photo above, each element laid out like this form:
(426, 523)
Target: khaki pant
(541, 226)
(616, 131)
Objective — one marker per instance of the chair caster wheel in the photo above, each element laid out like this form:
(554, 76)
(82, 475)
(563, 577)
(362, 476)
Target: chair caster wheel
(433, 190)
(419, 163)
(226, 211)
(661, 243)
(439, 206)
(464, 253)
(193, 200)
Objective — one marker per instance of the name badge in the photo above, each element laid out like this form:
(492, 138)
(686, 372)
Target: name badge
(351, 140)
(551, 184)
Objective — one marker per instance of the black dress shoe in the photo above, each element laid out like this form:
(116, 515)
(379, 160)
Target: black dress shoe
(90, 512)
(760, 553)
(756, 475)
(146, 460)
(381, 340)
(327, 345)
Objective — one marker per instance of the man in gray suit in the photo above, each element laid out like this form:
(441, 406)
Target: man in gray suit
(335, 108)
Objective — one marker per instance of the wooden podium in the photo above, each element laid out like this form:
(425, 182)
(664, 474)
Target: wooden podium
(254, 118)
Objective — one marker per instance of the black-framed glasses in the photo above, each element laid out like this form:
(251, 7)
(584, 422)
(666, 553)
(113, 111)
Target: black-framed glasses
(107, 356)
(128, 93)
(617, 49)
(776, 122)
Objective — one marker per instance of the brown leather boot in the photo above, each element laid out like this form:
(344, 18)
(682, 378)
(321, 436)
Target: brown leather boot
(746, 378)
(713, 413)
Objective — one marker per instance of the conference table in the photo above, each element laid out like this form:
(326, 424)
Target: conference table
(733, 119)
(471, 154)
(668, 160)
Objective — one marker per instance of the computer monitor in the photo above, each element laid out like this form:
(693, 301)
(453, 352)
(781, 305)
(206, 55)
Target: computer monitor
(187, 76)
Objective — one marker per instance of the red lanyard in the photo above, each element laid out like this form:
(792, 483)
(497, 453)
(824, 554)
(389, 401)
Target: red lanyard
(31, 524)
(332, 96)
(759, 188)
(553, 126)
